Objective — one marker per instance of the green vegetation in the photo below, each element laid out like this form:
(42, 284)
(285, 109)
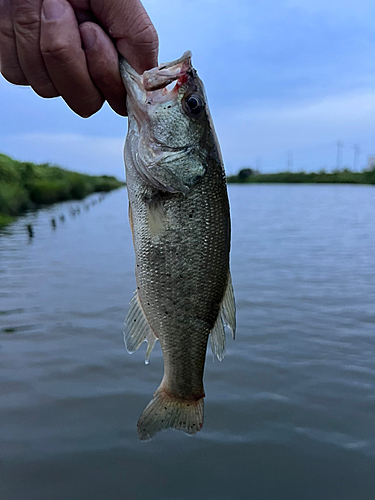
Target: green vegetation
(338, 176)
(25, 185)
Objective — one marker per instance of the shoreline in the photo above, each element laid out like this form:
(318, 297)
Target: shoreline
(338, 177)
(26, 185)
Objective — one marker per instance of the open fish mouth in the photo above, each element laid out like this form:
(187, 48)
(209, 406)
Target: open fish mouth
(164, 74)
(154, 86)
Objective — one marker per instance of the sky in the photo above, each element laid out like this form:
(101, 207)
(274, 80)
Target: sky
(286, 80)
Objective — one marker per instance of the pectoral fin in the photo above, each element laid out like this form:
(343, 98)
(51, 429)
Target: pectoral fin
(131, 224)
(155, 215)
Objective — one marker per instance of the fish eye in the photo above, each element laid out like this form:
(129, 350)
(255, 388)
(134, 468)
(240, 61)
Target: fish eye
(194, 104)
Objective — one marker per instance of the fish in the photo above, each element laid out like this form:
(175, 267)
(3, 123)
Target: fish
(180, 220)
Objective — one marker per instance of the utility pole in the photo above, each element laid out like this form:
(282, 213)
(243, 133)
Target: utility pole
(289, 161)
(357, 152)
(258, 163)
(339, 154)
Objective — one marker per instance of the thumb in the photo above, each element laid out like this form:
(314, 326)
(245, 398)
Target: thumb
(128, 23)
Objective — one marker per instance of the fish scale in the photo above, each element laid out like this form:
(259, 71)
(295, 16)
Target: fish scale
(179, 213)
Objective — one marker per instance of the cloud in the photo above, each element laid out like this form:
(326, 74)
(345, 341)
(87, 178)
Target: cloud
(266, 129)
(303, 121)
(310, 128)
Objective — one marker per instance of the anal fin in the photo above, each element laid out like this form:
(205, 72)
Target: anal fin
(229, 307)
(137, 329)
(226, 317)
(217, 338)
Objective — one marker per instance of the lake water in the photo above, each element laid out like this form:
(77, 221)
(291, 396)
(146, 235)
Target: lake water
(289, 413)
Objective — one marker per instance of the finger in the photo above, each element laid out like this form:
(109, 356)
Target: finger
(82, 15)
(102, 62)
(128, 23)
(9, 64)
(26, 23)
(65, 59)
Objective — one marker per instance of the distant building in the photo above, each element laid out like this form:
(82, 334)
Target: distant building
(370, 163)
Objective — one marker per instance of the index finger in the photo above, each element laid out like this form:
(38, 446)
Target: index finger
(61, 48)
(26, 24)
(9, 64)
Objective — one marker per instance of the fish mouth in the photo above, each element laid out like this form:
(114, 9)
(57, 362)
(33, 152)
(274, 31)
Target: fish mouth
(153, 86)
(164, 74)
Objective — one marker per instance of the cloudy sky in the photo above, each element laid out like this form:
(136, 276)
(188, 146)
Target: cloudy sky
(285, 79)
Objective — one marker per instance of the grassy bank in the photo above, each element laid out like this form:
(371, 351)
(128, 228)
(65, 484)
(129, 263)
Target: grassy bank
(25, 185)
(340, 177)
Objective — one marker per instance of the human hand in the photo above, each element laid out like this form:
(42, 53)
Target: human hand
(69, 48)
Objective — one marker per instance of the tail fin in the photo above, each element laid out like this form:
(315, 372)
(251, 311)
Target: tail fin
(164, 412)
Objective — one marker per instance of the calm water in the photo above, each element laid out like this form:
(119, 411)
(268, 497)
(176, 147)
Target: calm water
(289, 413)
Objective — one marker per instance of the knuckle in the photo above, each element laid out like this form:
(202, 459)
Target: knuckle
(46, 91)
(84, 102)
(89, 110)
(144, 31)
(6, 32)
(14, 76)
(57, 49)
(118, 106)
(26, 25)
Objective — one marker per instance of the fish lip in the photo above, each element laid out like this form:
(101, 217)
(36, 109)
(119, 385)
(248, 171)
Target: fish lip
(132, 80)
(151, 87)
(166, 73)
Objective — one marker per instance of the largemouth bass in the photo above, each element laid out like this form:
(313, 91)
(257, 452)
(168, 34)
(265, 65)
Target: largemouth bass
(179, 216)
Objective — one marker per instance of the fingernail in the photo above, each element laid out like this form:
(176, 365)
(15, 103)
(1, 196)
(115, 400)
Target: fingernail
(88, 37)
(52, 9)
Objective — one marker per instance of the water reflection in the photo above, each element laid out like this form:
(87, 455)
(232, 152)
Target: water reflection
(34, 218)
(30, 230)
(290, 410)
